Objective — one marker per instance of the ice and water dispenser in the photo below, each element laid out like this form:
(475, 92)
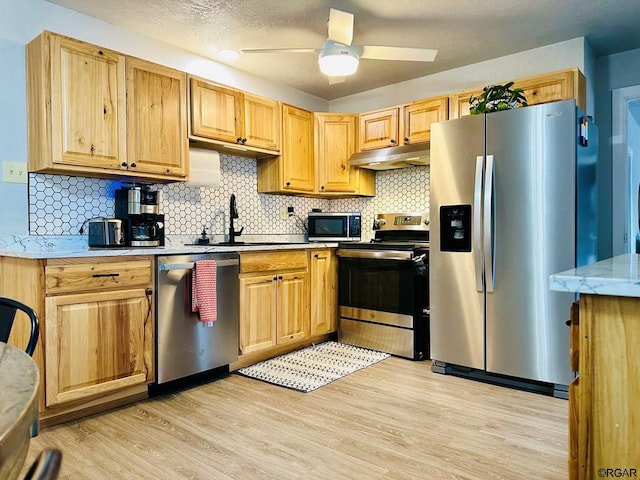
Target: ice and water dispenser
(455, 228)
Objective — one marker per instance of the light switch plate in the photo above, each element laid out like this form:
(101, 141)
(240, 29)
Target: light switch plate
(14, 172)
(283, 213)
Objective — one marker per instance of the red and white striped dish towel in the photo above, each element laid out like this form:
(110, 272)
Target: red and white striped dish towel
(204, 291)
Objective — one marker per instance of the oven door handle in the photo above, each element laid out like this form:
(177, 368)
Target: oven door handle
(375, 254)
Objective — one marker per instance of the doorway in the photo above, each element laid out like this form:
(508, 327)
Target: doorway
(625, 144)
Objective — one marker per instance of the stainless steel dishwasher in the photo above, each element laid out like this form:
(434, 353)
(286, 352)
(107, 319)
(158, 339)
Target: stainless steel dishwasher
(185, 346)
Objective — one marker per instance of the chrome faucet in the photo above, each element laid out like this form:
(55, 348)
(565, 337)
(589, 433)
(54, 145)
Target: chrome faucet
(233, 213)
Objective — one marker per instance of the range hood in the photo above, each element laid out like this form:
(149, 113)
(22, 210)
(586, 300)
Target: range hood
(401, 156)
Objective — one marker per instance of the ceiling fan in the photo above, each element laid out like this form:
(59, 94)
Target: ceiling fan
(339, 57)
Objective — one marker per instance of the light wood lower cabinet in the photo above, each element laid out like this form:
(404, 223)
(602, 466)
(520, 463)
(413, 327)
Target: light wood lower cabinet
(323, 266)
(604, 411)
(274, 299)
(96, 345)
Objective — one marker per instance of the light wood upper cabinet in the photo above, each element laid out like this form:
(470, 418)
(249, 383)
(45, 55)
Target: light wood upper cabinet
(157, 119)
(293, 171)
(549, 87)
(335, 141)
(323, 267)
(379, 129)
(262, 122)
(235, 118)
(78, 98)
(76, 106)
(417, 118)
(401, 125)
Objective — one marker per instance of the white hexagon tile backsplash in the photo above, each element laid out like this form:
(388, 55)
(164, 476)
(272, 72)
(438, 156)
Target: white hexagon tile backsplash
(59, 204)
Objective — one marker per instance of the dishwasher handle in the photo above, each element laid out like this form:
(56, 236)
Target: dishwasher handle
(164, 267)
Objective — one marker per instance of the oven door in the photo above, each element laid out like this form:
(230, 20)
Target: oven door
(377, 286)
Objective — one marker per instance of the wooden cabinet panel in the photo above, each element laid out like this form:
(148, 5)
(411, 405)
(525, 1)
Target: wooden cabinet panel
(418, 117)
(274, 299)
(76, 105)
(262, 122)
(323, 268)
(258, 313)
(298, 166)
(157, 119)
(98, 113)
(97, 343)
(335, 137)
(378, 129)
(81, 274)
(216, 112)
(549, 87)
(604, 408)
(293, 307)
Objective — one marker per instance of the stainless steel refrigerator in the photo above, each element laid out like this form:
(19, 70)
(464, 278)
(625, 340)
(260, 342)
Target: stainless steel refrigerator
(513, 199)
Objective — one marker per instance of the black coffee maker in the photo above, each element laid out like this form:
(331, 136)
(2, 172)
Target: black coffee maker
(137, 206)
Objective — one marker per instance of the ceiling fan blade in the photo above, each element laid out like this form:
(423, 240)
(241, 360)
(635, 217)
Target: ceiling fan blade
(398, 53)
(340, 26)
(335, 79)
(281, 50)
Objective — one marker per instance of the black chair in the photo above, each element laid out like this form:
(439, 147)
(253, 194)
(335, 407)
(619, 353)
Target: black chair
(8, 310)
(46, 466)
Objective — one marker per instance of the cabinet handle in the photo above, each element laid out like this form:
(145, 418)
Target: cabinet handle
(280, 277)
(244, 140)
(133, 165)
(406, 139)
(239, 140)
(275, 278)
(392, 141)
(123, 164)
(288, 183)
(316, 255)
(322, 187)
(98, 275)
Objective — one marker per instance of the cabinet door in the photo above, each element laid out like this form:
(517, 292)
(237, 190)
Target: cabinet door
(216, 112)
(262, 122)
(88, 111)
(324, 301)
(97, 343)
(293, 307)
(157, 119)
(551, 87)
(258, 311)
(418, 117)
(378, 129)
(298, 173)
(335, 138)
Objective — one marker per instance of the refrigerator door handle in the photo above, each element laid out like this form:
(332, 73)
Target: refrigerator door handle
(477, 224)
(487, 229)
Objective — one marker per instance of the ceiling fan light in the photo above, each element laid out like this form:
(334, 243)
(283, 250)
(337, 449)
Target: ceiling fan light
(338, 65)
(338, 60)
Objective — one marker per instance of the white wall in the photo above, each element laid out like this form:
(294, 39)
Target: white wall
(613, 71)
(531, 62)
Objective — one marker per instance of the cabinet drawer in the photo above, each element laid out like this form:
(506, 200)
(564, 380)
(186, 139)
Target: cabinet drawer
(72, 275)
(277, 261)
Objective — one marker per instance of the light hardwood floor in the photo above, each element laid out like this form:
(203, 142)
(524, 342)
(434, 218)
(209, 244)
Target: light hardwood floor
(393, 420)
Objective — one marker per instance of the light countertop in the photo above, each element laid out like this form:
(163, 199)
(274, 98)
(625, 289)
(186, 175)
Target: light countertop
(49, 246)
(617, 276)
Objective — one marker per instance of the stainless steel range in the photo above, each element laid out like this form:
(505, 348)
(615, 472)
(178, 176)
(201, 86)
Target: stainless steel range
(383, 287)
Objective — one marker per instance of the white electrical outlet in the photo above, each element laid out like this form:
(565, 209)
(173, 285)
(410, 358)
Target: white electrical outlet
(283, 213)
(15, 172)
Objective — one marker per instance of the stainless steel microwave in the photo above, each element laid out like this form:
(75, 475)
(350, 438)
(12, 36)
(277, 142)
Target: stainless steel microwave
(334, 227)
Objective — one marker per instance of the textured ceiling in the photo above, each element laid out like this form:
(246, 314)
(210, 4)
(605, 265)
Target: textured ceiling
(463, 31)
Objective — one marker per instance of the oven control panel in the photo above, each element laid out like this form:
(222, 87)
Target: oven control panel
(401, 221)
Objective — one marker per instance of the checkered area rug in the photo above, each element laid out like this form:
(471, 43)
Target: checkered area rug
(313, 367)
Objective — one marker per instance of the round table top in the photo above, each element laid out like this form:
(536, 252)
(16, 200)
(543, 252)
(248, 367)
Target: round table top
(19, 379)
